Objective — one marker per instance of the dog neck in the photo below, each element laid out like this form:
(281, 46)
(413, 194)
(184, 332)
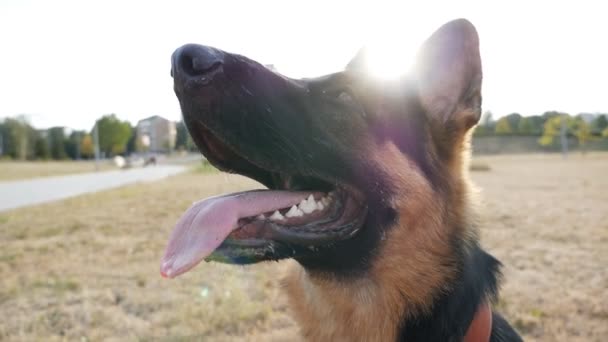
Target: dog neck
(424, 282)
(330, 310)
(369, 309)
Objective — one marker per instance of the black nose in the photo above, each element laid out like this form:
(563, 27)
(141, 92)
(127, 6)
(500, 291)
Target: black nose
(197, 62)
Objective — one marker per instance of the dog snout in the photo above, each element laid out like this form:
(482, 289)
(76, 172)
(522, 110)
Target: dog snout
(196, 63)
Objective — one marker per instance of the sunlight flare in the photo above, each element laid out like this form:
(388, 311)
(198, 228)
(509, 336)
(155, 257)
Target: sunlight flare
(389, 59)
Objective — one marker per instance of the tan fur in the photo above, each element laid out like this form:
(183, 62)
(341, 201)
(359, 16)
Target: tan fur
(414, 262)
(412, 265)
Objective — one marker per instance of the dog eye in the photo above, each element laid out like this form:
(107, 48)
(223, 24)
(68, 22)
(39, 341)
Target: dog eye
(345, 97)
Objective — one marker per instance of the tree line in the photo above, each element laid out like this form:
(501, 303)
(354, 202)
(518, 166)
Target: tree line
(547, 127)
(21, 141)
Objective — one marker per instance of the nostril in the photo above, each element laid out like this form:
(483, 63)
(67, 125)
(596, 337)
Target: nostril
(186, 64)
(198, 60)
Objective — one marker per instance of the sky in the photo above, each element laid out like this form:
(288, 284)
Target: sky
(65, 63)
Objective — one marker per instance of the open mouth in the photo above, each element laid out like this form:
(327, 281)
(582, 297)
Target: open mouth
(297, 215)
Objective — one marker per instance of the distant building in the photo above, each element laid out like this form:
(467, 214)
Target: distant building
(157, 134)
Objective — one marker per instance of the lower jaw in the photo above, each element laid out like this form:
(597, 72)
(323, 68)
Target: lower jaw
(246, 252)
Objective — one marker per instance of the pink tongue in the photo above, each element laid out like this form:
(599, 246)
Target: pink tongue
(206, 224)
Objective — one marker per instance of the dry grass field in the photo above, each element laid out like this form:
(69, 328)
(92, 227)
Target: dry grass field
(87, 268)
(17, 170)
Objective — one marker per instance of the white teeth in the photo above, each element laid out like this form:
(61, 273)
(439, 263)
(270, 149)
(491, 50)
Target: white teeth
(307, 209)
(308, 205)
(261, 217)
(276, 216)
(294, 212)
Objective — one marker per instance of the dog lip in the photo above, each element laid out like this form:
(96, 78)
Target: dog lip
(342, 220)
(225, 154)
(348, 222)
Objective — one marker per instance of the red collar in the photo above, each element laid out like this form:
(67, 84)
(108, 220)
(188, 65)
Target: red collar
(481, 326)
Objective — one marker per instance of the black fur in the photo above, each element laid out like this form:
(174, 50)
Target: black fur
(453, 310)
(309, 129)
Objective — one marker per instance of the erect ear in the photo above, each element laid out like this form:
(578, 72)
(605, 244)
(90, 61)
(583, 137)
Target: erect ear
(449, 75)
(360, 61)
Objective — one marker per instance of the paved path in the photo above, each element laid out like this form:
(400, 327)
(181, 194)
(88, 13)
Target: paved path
(28, 192)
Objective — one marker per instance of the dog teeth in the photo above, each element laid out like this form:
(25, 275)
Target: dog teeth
(294, 211)
(325, 201)
(261, 217)
(308, 205)
(276, 216)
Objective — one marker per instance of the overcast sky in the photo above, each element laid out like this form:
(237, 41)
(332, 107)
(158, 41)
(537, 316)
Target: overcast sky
(68, 62)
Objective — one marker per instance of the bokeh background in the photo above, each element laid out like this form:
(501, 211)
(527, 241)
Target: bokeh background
(96, 165)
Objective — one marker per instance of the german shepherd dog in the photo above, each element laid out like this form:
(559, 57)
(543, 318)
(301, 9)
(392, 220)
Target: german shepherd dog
(368, 190)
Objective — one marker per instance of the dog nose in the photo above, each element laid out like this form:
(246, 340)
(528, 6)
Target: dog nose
(197, 62)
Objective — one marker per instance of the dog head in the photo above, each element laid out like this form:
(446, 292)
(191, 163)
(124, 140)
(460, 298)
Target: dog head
(355, 167)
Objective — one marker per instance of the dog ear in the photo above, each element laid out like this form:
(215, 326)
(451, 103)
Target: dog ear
(359, 62)
(448, 72)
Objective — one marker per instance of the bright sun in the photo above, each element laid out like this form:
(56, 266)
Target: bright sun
(389, 60)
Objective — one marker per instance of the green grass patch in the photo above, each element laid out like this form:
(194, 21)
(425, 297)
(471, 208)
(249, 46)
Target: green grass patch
(57, 286)
(205, 167)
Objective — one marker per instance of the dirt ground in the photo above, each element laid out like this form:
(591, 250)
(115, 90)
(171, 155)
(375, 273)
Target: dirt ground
(87, 268)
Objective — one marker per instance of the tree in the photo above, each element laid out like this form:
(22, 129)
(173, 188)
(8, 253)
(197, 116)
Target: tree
(576, 127)
(503, 127)
(181, 136)
(514, 119)
(525, 126)
(487, 119)
(549, 115)
(190, 145)
(582, 131)
(41, 148)
(73, 144)
(551, 129)
(18, 138)
(132, 142)
(4, 140)
(87, 149)
(599, 124)
(480, 130)
(56, 136)
(183, 140)
(537, 124)
(113, 134)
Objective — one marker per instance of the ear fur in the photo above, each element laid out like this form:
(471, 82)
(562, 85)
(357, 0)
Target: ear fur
(448, 73)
